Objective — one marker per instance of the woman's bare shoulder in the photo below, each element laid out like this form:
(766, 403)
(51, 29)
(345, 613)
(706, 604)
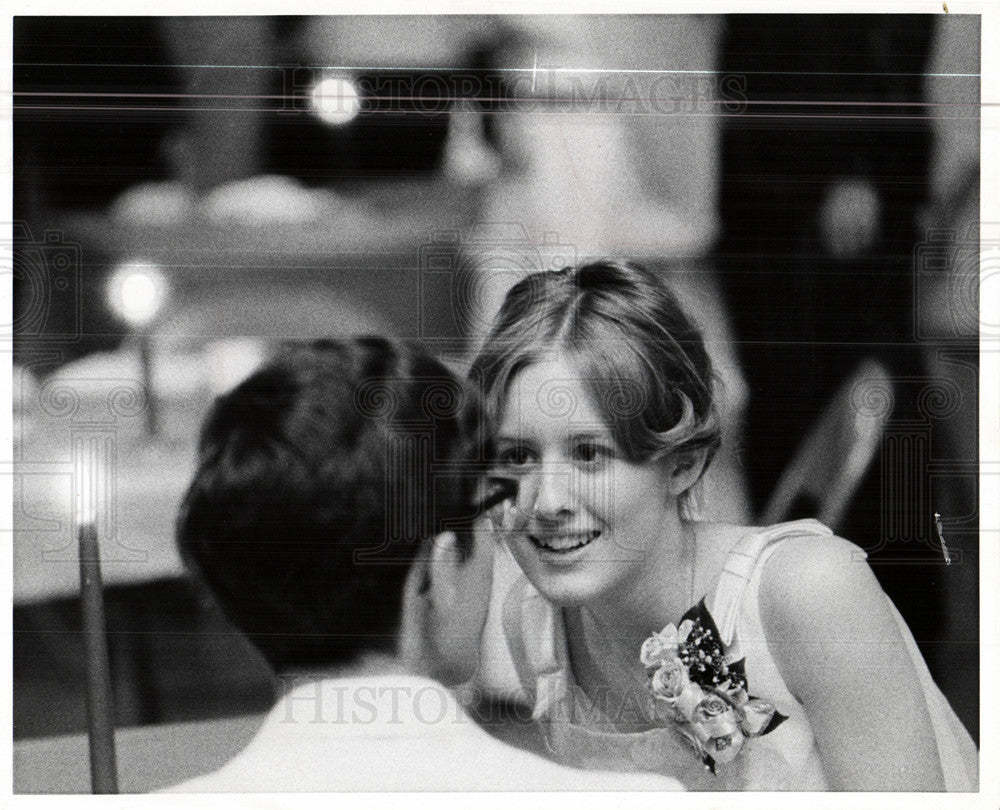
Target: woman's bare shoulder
(816, 586)
(814, 560)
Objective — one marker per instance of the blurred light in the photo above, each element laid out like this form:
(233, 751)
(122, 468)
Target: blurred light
(136, 292)
(335, 100)
(850, 218)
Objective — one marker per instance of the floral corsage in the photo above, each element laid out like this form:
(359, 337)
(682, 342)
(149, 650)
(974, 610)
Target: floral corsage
(704, 694)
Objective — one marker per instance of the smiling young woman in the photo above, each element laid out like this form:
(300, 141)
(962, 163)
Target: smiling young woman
(594, 521)
(781, 657)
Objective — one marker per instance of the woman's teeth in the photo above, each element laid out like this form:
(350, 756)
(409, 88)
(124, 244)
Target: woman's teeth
(563, 542)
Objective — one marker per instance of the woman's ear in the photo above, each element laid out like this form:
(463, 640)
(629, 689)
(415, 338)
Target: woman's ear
(684, 469)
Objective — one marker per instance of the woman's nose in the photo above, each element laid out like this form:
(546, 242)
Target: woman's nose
(552, 491)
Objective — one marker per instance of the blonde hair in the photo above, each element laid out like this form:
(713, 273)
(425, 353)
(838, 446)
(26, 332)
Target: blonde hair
(638, 354)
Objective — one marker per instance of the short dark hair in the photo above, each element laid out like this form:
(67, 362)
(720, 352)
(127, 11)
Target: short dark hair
(318, 479)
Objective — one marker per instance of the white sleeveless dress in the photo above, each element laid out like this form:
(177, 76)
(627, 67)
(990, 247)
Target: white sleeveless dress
(583, 734)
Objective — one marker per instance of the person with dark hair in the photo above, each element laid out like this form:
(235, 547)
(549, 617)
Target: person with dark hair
(333, 516)
(781, 665)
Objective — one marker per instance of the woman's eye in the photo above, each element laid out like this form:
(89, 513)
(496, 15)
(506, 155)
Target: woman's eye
(516, 456)
(590, 453)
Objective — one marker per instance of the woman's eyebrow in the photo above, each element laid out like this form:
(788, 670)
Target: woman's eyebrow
(602, 435)
(503, 437)
(588, 435)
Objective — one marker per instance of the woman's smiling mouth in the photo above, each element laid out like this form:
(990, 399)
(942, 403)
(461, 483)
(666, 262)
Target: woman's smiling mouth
(563, 542)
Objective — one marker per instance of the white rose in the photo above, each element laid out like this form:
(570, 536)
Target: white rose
(670, 680)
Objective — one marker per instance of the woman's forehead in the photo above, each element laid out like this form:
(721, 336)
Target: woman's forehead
(552, 392)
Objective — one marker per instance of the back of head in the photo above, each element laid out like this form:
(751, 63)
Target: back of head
(318, 478)
(636, 350)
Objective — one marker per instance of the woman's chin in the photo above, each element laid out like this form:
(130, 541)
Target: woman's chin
(567, 591)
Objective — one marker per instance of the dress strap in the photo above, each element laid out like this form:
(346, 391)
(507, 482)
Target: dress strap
(749, 553)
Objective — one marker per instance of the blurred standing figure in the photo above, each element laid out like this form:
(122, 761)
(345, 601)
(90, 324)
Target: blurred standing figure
(608, 137)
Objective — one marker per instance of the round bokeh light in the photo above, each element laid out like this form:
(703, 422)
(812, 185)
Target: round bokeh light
(136, 292)
(335, 100)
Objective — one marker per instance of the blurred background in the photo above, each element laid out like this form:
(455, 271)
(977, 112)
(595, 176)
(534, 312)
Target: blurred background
(188, 192)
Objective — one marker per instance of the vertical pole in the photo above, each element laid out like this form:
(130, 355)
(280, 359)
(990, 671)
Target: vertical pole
(100, 702)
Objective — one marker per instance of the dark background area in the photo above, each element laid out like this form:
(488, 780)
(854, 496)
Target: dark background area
(804, 319)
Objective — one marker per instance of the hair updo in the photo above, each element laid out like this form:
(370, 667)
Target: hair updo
(636, 351)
